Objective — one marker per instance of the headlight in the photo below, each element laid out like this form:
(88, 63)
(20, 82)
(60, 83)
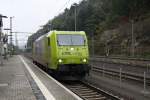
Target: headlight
(71, 49)
(84, 60)
(60, 60)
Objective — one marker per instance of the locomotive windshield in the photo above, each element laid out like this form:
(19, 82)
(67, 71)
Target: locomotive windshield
(70, 39)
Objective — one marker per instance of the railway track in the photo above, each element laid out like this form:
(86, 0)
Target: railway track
(122, 74)
(89, 92)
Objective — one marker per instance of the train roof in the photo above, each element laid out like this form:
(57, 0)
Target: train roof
(40, 38)
(59, 32)
(65, 32)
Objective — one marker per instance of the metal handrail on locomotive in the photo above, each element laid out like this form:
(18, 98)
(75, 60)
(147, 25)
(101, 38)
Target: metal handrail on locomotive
(64, 52)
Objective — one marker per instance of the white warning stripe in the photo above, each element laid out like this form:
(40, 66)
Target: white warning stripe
(42, 87)
(66, 89)
(69, 91)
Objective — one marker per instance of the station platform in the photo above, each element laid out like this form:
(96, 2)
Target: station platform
(20, 79)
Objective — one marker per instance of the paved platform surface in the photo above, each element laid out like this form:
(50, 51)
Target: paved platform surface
(20, 79)
(14, 84)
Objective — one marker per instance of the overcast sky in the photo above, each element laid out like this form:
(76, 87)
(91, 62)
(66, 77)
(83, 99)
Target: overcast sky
(29, 15)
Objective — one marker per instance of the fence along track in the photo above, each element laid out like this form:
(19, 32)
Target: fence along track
(125, 75)
(88, 92)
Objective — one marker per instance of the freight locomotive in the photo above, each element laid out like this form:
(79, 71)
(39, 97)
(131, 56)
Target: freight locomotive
(63, 52)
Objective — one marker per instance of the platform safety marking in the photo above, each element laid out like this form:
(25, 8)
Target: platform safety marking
(69, 91)
(3, 84)
(42, 87)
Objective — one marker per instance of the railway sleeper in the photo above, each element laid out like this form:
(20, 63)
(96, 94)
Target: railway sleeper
(80, 91)
(77, 86)
(101, 98)
(84, 89)
(92, 93)
(96, 98)
(92, 96)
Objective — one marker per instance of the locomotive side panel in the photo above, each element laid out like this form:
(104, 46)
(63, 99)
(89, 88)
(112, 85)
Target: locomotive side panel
(39, 51)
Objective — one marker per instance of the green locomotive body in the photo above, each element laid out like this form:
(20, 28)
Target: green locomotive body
(63, 51)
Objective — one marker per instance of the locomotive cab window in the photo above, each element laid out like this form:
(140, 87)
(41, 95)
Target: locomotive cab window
(70, 39)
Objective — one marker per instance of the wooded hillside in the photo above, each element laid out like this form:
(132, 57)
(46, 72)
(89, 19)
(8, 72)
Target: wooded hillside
(105, 20)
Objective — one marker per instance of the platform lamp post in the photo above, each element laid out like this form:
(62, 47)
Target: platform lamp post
(11, 43)
(75, 17)
(1, 42)
(132, 39)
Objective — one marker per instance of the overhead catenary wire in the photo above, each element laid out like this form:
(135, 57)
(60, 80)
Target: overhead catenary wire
(58, 12)
(63, 7)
